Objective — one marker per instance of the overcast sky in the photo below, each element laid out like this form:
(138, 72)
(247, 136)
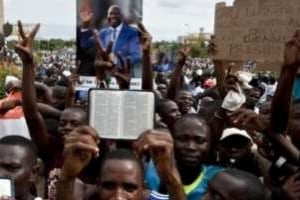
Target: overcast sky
(165, 19)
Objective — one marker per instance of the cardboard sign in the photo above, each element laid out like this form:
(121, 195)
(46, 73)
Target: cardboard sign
(255, 30)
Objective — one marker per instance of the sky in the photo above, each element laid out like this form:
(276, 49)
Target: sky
(165, 19)
(57, 17)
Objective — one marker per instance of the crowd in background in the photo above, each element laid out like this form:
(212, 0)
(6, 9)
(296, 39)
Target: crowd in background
(221, 132)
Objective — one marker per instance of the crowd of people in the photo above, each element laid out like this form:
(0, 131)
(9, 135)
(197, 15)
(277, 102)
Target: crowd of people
(221, 133)
(56, 65)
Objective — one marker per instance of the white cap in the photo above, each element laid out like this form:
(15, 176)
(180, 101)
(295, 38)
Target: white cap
(10, 78)
(234, 131)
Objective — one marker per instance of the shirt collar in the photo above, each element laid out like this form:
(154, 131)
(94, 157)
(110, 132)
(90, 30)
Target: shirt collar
(118, 28)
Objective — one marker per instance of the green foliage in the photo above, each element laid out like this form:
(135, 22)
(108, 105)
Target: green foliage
(7, 70)
(198, 50)
(167, 46)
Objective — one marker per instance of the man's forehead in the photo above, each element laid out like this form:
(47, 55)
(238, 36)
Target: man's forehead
(71, 114)
(117, 164)
(171, 105)
(13, 153)
(185, 93)
(192, 122)
(192, 133)
(121, 170)
(114, 8)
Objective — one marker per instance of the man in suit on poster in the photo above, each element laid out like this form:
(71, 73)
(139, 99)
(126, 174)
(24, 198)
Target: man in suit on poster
(124, 37)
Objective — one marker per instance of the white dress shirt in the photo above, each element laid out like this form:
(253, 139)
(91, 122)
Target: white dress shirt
(117, 31)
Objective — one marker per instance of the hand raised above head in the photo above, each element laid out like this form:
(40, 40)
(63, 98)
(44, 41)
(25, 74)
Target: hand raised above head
(160, 146)
(80, 146)
(145, 37)
(24, 46)
(105, 58)
(86, 14)
(182, 56)
(158, 143)
(248, 119)
(212, 47)
(292, 51)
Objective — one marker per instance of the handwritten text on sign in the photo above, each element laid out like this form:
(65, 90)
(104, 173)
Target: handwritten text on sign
(255, 30)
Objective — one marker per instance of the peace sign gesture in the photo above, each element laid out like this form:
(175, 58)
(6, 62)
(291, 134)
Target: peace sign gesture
(24, 47)
(104, 57)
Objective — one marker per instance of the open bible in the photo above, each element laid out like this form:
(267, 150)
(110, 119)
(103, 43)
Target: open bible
(118, 114)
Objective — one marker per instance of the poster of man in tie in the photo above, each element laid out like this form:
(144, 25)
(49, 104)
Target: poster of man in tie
(113, 21)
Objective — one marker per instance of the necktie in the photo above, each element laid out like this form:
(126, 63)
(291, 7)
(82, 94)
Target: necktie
(114, 34)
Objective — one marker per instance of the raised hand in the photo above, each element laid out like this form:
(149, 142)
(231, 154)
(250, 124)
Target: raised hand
(181, 57)
(248, 119)
(145, 37)
(160, 146)
(86, 14)
(80, 146)
(212, 47)
(105, 58)
(292, 51)
(24, 47)
(123, 74)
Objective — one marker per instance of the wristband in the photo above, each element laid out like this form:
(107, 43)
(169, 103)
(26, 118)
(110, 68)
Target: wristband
(281, 160)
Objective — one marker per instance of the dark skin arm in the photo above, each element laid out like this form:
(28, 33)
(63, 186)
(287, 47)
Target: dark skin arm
(33, 117)
(48, 111)
(220, 119)
(280, 109)
(70, 98)
(9, 104)
(282, 99)
(43, 93)
(219, 67)
(176, 83)
(123, 75)
(80, 146)
(160, 146)
(249, 120)
(147, 83)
